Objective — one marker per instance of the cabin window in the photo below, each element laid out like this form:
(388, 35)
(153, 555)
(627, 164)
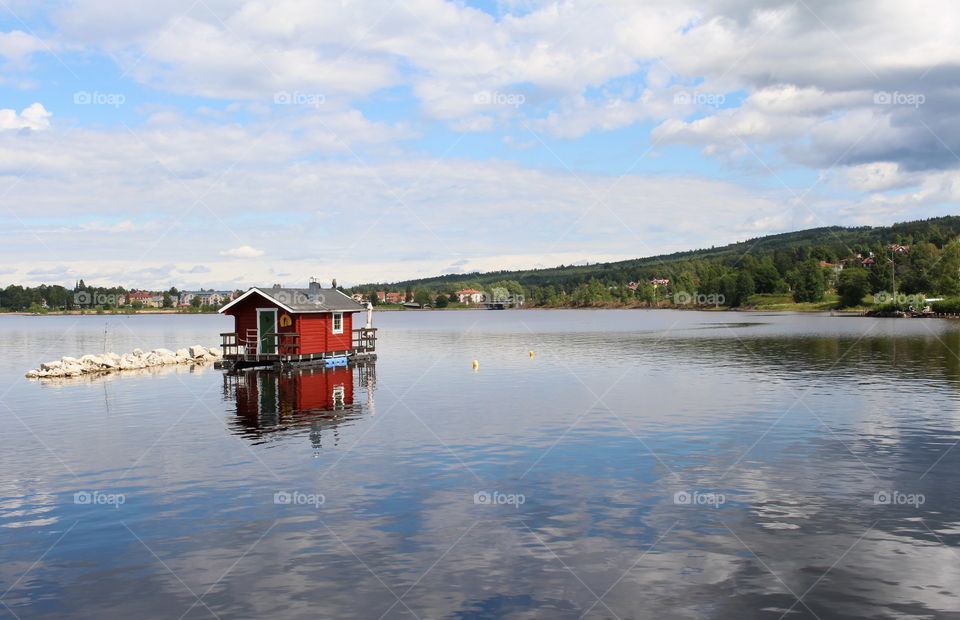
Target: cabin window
(338, 322)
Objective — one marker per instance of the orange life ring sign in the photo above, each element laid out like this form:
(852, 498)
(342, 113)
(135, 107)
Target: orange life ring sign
(285, 320)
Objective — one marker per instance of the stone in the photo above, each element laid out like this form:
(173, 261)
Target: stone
(72, 370)
(136, 360)
(91, 363)
(130, 362)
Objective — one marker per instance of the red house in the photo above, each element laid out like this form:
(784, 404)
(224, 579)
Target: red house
(285, 325)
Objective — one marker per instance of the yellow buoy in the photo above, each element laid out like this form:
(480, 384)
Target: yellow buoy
(531, 353)
(476, 364)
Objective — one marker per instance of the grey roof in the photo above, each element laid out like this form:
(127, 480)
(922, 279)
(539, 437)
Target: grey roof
(301, 299)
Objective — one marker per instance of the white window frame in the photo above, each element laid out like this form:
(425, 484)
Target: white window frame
(337, 315)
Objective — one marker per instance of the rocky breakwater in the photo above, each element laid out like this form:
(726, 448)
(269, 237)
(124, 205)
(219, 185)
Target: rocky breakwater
(107, 362)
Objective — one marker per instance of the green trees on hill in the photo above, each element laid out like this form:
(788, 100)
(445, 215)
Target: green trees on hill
(852, 285)
(914, 257)
(807, 281)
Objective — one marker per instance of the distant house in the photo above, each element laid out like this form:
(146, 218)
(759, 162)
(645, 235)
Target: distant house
(660, 282)
(633, 285)
(360, 297)
(142, 297)
(389, 298)
(469, 296)
(207, 298)
(900, 249)
(858, 259)
(837, 267)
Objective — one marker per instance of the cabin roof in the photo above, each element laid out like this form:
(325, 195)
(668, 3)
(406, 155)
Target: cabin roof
(300, 300)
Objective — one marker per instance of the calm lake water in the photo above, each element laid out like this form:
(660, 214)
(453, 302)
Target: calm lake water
(642, 464)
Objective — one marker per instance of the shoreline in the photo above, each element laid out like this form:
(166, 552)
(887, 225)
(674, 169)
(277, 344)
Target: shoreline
(846, 312)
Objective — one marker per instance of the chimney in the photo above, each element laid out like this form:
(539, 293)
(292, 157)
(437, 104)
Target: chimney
(334, 283)
(314, 292)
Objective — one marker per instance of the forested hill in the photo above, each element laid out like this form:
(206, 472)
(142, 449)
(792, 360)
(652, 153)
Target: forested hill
(829, 244)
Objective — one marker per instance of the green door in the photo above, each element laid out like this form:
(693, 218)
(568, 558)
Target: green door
(267, 323)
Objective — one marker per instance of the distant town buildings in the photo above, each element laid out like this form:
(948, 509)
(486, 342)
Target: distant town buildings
(207, 298)
(143, 298)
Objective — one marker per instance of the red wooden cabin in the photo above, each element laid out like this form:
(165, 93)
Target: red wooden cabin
(279, 325)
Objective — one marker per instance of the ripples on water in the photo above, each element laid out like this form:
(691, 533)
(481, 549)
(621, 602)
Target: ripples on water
(651, 464)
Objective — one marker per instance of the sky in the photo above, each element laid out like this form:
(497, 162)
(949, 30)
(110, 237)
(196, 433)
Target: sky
(232, 143)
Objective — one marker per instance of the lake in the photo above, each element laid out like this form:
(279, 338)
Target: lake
(640, 464)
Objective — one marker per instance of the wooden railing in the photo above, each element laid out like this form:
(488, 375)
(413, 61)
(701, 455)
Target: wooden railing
(365, 339)
(229, 343)
(283, 343)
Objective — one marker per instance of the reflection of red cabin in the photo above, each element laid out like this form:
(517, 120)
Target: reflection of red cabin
(267, 399)
(290, 325)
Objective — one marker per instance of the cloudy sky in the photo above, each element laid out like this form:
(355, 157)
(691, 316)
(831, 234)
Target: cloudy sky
(235, 142)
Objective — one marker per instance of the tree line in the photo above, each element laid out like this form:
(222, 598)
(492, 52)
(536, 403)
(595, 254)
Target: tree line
(915, 259)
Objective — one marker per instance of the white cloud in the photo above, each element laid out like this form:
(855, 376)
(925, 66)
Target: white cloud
(797, 82)
(32, 117)
(16, 45)
(243, 251)
(798, 63)
(184, 189)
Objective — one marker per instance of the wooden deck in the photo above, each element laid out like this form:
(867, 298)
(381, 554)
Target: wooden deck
(245, 351)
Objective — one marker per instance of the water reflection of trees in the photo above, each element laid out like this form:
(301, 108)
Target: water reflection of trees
(932, 355)
(318, 399)
(920, 356)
